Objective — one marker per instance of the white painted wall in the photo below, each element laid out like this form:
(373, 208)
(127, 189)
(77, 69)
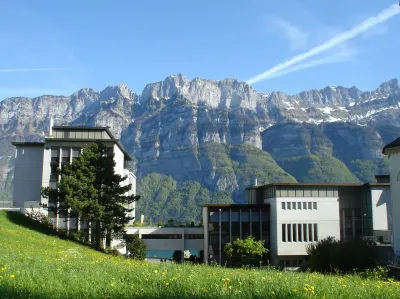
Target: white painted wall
(394, 166)
(119, 160)
(27, 174)
(165, 244)
(381, 207)
(326, 216)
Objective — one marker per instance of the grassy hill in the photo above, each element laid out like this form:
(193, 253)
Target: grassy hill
(35, 265)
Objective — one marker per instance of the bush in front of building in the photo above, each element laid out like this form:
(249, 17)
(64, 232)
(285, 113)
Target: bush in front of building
(246, 252)
(331, 255)
(135, 247)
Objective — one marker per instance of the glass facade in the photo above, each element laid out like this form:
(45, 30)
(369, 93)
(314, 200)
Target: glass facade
(230, 223)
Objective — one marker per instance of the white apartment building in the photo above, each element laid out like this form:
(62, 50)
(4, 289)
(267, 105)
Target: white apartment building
(36, 164)
(392, 150)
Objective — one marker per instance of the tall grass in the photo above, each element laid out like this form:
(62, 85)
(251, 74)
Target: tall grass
(35, 265)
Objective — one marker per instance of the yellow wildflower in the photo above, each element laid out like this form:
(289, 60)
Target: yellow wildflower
(12, 275)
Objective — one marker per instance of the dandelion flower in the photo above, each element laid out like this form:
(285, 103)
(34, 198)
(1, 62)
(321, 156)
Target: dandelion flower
(12, 275)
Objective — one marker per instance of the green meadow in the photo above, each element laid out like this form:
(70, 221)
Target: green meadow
(36, 265)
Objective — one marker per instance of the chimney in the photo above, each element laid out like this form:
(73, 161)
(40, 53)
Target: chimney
(141, 219)
(51, 127)
(255, 182)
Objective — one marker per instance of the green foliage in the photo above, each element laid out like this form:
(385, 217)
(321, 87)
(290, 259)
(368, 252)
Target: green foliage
(245, 252)
(164, 198)
(318, 169)
(136, 247)
(45, 267)
(329, 255)
(91, 189)
(177, 256)
(378, 273)
(365, 170)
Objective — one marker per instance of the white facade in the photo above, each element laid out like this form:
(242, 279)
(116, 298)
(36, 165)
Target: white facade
(166, 238)
(394, 167)
(289, 217)
(35, 165)
(28, 167)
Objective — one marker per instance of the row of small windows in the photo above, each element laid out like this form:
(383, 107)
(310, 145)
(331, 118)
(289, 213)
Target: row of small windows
(171, 236)
(300, 191)
(290, 263)
(300, 232)
(81, 134)
(300, 205)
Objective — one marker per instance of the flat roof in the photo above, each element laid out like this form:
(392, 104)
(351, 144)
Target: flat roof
(244, 205)
(394, 143)
(27, 143)
(305, 184)
(85, 128)
(116, 141)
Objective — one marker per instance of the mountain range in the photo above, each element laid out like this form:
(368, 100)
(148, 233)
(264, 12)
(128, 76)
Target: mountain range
(197, 141)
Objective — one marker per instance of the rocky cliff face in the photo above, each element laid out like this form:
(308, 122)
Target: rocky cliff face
(170, 126)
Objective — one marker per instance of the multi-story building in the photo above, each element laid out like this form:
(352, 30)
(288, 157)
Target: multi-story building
(287, 217)
(36, 164)
(392, 150)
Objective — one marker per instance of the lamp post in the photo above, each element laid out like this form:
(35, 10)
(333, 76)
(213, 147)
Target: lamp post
(220, 245)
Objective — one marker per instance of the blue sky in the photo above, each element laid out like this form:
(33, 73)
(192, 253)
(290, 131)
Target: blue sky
(100, 43)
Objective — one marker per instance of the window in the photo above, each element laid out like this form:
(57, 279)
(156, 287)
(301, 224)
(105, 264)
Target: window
(55, 154)
(304, 232)
(299, 205)
(299, 232)
(76, 152)
(293, 205)
(310, 239)
(314, 205)
(283, 205)
(289, 233)
(65, 154)
(288, 206)
(315, 232)
(294, 233)
(283, 232)
(309, 205)
(304, 206)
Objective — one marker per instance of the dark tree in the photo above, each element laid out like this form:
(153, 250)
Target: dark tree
(90, 188)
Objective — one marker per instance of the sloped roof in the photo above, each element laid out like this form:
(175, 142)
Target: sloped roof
(394, 143)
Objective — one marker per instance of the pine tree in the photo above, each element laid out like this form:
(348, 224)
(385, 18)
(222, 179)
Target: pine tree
(90, 188)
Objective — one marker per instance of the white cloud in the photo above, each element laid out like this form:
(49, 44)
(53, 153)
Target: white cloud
(334, 42)
(343, 56)
(297, 38)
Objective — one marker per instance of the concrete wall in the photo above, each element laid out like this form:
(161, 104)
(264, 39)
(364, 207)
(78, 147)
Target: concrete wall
(326, 216)
(381, 207)
(165, 244)
(119, 160)
(394, 166)
(27, 174)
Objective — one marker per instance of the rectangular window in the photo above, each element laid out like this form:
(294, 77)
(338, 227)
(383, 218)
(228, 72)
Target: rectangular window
(304, 206)
(283, 205)
(315, 232)
(299, 232)
(283, 232)
(65, 154)
(288, 205)
(289, 233)
(299, 205)
(293, 205)
(314, 205)
(76, 152)
(304, 232)
(294, 233)
(310, 238)
(309, 205)
(55, 154)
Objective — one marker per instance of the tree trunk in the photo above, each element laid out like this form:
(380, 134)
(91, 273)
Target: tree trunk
(98, 235)
(108, 239)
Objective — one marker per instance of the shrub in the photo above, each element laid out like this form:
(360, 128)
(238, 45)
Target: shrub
(113, 252)
(135, 247)
(177, 256)
(245, 252)
(329, 255)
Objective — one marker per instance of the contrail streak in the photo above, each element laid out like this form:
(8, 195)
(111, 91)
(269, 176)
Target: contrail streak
(384, 15)
(31, 70)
